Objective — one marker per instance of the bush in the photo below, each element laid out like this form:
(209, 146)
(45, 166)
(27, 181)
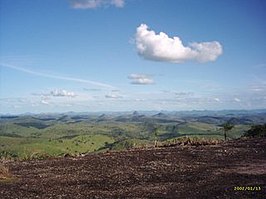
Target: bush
(256, 131)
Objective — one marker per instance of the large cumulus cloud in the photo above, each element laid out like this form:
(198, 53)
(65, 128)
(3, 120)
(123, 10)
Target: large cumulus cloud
(160, 47)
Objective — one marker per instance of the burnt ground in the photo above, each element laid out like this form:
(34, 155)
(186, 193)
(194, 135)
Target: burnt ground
(211, 171)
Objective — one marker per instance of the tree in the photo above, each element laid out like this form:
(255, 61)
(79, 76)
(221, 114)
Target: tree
(256, 131)
(227, 127)
(155, 132)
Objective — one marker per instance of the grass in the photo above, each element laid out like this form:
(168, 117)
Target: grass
(128, 144)
(39, 148)
(238, 131)
(13, 130)
(5, 175)
(30, 140)
(191, 140)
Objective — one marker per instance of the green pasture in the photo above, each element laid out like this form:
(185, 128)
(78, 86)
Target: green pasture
(35, 138)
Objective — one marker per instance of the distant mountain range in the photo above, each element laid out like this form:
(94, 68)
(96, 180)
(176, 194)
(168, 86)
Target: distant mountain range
(211, 117)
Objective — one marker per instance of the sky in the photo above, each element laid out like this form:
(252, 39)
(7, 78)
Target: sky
(126, 55)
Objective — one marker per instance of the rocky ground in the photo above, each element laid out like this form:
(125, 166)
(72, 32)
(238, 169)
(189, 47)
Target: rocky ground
(212, 171)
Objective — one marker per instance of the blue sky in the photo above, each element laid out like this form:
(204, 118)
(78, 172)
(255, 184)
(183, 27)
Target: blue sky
(125, 55)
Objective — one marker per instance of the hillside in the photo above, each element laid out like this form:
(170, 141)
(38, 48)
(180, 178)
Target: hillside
(211, 171)
(52, 135)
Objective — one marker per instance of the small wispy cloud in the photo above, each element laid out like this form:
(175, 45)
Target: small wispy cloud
(217, 99)
(140, 79)
(62, 93)
(237, 99)
(91, 4)
(92, 89)
(45, 102)
(160, 47)
(113, 96)
(258, 88)
(184, 94)
(59, 77)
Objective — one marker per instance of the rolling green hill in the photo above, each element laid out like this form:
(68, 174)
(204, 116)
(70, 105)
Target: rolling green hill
(40, 136)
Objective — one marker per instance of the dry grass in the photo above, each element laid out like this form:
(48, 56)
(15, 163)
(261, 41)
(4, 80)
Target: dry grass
(5, 174)
(190, 141)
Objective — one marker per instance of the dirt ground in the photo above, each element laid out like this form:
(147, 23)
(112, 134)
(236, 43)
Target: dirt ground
(235, 169)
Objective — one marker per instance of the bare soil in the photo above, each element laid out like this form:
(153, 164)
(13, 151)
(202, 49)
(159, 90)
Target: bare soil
(211, 171)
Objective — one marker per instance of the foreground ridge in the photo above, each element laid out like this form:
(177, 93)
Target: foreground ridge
(233, 169)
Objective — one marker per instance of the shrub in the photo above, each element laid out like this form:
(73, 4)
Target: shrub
(256, 131)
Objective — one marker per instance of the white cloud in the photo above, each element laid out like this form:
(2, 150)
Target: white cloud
(118, 3)
(113, 96)
(217, 99)
(43, 101)
(184, 94)
(92, 89)
(139, 100)
(56, 93)
(90, 4)
(258, 87)
(141, 79)
(62, 93)
(237, 99)
(160, 47)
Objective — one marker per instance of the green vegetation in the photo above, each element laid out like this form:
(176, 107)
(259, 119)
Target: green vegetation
(227, 127)
(31, 148)
(42, 136)
(256, 131)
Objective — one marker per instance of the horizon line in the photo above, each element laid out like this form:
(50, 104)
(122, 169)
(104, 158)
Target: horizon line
(127, 111)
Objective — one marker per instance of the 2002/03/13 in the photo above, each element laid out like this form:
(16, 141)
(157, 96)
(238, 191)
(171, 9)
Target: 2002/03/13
(255, 188)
